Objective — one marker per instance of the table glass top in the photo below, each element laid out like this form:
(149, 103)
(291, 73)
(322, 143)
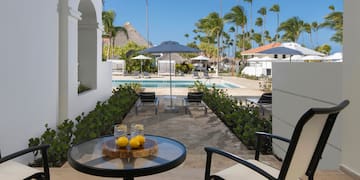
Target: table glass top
(90, 154)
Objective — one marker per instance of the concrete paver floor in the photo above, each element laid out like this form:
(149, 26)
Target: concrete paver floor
(195, 130)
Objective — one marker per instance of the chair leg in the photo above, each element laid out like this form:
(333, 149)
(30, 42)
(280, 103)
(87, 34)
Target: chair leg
(208, 165)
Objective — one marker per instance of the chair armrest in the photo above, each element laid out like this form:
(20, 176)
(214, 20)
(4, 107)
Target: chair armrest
(258, 141)
(24, 151)
(43, 148)
(210, 150)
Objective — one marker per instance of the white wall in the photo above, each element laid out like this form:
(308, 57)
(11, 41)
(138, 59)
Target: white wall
(73, 104)
(296, 88)
(28, 71)
(351, 87)
(38, 71)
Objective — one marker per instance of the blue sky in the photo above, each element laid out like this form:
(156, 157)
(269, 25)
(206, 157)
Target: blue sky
(172, 19)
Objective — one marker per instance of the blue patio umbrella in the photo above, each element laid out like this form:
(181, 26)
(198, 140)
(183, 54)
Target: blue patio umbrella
(170, 47)
(282, 50)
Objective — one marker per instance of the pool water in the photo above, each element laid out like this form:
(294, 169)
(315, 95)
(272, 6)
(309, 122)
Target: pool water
(166, 83)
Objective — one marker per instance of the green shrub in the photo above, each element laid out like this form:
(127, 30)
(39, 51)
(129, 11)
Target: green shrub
(243, 121)
(59, 142)
(97, 122)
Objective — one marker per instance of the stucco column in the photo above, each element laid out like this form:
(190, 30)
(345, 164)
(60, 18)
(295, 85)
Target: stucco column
(69, 17)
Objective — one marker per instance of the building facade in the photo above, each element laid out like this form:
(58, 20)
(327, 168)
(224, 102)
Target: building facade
(48, 48)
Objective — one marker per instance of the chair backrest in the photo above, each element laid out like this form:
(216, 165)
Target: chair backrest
(265, 98)
(308, 141)
(147, 96)
(195, 96)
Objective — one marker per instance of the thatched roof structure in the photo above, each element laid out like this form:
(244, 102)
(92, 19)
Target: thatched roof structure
(134, 35)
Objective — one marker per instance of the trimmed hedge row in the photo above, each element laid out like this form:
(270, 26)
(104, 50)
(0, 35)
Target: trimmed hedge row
(96, 123)
(242, 120)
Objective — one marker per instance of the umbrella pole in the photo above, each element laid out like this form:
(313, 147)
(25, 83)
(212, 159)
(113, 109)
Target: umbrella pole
(171, 103)
(141, 72)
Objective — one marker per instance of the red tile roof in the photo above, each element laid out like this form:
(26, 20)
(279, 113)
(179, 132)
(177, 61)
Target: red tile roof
(261, 48)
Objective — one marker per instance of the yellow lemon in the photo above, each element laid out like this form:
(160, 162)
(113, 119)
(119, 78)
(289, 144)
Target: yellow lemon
(122, 141)
(134, 143)
(141, 139)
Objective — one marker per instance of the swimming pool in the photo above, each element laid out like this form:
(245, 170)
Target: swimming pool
(175, 83)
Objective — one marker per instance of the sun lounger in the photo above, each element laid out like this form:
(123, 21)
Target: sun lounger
(194, 98)
(146, 75)
(264, 102)
(147, 98)
(196, 75)
(206, 75)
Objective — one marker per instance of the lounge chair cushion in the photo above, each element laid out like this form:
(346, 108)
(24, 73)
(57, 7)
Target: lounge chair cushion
(11, 170)
(194, 97)
(239, 171)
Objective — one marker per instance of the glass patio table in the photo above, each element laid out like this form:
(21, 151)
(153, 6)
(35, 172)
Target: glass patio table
(87, 157)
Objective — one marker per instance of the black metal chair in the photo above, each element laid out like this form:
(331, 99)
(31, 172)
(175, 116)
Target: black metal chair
(194, 98)
(13, 170)
(302, 157)
(147, 98)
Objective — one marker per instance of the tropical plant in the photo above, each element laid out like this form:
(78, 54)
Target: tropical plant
(257, 37)
(110, 30)
(292, 28)
(132, 65)
(212, 25)
(334, 21)
(262, 11)
(308, 29)
(315, 28)
(325, 48)
(276, 9)
(209, 50)
(186, 36)
(237, 16)
(251, 16)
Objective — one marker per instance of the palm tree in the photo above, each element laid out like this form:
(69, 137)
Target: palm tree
(186, 36)
(334, 20)
(259, 22)
(262, 11)
(110, 30)
(237, 16)
(276, 9)
(315, 28)
(251, 4)
(307, 29)
(212, 25)
(232, 30)
(267, 37)
(251, 18)
(257, 37)
(292, 28)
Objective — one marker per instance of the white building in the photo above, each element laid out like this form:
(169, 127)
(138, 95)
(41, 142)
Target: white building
(47, 47)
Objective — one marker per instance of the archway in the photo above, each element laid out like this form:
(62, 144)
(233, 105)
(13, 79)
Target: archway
(87, 45)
